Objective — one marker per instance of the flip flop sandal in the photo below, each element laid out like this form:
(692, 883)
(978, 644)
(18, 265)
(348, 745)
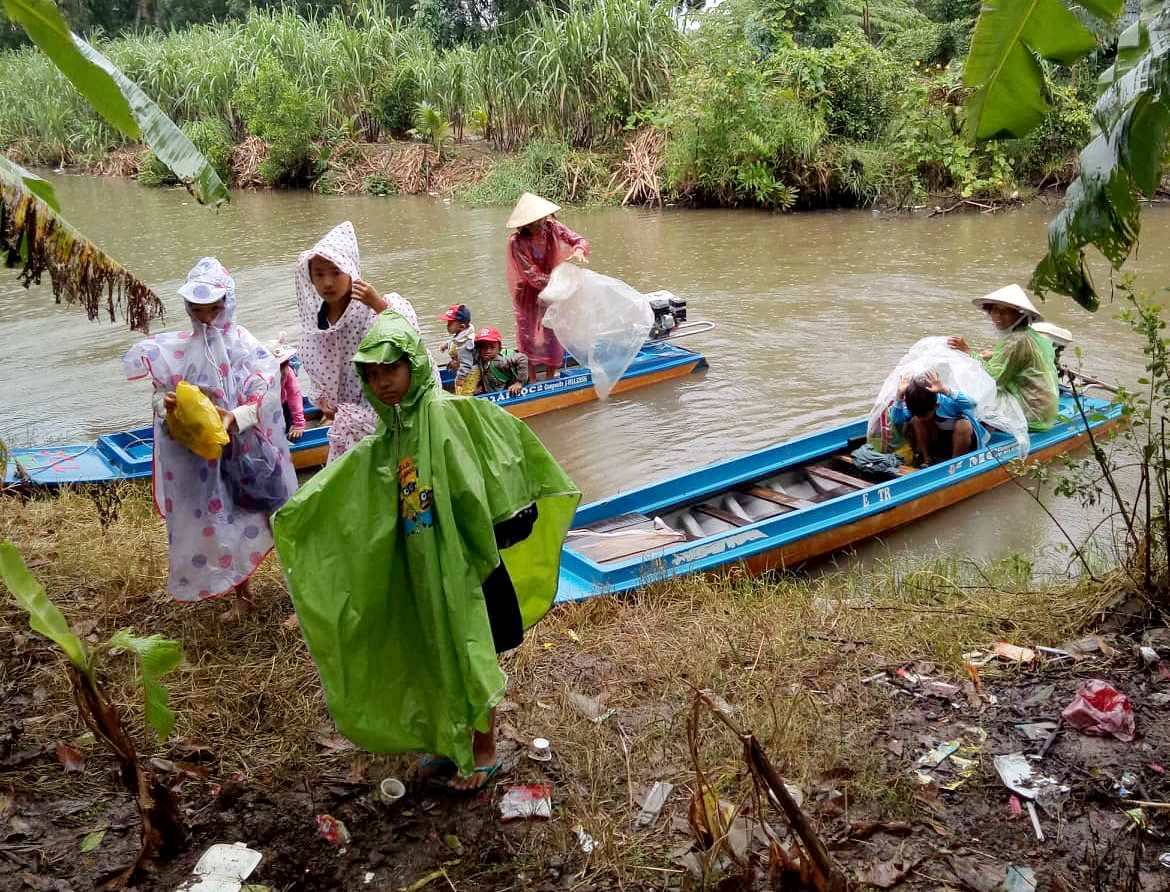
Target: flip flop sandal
(486, 772)
(429, 768)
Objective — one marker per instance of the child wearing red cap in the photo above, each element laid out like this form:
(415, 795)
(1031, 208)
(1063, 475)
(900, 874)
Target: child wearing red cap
(498, 368)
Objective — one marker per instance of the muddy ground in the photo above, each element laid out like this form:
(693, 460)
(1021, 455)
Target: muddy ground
(925, 836)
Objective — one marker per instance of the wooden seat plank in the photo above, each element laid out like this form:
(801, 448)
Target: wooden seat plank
(837, 477)
(621, 522)
(720, 514)
(776, 497)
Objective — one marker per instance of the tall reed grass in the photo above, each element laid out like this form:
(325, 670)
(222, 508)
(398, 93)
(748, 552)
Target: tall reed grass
(572, 75)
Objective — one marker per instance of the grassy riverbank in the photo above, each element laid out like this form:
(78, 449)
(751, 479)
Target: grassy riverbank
(808, 663)
(763, 105)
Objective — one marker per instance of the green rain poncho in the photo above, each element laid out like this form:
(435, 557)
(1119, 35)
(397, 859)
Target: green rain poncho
(387, 548)
(1023, 363)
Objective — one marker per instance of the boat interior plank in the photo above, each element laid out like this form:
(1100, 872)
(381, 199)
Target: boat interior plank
(836, 477)
(776, 497)
(632, 520)
(720, 514)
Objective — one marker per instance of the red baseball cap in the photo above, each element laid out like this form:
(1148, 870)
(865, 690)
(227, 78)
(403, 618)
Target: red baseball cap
(488, 334)
(456, 313)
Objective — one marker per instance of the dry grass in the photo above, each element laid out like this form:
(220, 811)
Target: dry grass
(125, 161)
(246, 160)
(640, 175)
(789, 654)
(410, 168)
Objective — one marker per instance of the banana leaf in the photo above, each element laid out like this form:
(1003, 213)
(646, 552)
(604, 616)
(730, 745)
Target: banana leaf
(1003, 71)
(36, 239)
(41, 188)
(43, 615)
(117, 98)
(156, 657)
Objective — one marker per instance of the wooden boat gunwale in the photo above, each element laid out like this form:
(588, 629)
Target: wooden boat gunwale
(753, 543)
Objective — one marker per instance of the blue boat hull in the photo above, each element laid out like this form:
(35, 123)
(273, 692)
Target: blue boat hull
(127, 455)
(803, 529)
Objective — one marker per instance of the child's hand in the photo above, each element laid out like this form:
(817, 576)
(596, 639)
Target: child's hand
(170, 401)
(328, 410)
(453, 365)
(934, 382)
(903, 383)
(294, 433)
(956, 343)
(229, 420)
(366, 293)
(515, 389)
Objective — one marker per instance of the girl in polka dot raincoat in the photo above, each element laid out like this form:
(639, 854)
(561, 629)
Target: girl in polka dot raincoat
(336, 308)
(217, 527)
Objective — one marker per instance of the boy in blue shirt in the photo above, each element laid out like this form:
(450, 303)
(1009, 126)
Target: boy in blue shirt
(939, 423)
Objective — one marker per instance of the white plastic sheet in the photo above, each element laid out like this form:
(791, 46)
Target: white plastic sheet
(958, 371)
(602, 321)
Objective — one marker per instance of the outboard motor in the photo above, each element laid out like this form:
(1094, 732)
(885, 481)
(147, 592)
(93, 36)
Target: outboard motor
(678, 309)
(663, 318)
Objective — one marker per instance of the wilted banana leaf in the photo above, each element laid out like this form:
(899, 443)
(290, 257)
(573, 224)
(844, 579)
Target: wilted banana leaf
(1122, 163)
(41, 188)
(36, 239)
(43, 615)
(117, 98)
(156, 657)
(1008, 96)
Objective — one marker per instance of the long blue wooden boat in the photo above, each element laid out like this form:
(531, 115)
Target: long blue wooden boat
(786, 504)
(127, 455)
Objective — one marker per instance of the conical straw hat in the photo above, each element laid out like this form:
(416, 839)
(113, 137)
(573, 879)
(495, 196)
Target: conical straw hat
(1010, 296)
(1061, 337)
(529, 209)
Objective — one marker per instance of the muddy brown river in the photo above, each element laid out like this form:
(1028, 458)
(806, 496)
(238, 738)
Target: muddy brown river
(811, 312)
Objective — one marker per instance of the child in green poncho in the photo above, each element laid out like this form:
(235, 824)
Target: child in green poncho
(1022, 362)
(419, 555)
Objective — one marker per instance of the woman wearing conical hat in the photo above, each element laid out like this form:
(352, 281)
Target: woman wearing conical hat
(539, 243)
(1022, 361)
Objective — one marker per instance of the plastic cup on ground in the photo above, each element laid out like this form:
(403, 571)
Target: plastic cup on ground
(540, 750)
(391, 790)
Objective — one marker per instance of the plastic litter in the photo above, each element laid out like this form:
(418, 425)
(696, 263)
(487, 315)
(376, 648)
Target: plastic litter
(540, 750)
(1100, 709)
(587, 843)
(222, 868)
(332, 830)
(1036, 730)
(1013, 652)
(602, 321)
(1148, 655)
(1164, 859)
(1126, 784)
(527, 801)
(958, 371)
(653, 802)
(196, 423)
(590, 708)
(1019, 879)
(391, 790)
(1019, 776)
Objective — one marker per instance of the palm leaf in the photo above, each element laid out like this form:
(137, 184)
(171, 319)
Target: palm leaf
(1003, 67)
(117, 98)
(43, 615)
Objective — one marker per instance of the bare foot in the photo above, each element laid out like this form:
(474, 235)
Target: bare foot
(237, 612)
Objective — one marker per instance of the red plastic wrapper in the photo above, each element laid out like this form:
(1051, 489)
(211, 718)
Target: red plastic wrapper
(1099, 708)
(332, 830)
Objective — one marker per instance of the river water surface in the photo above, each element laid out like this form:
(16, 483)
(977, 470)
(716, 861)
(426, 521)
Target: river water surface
(812, 310)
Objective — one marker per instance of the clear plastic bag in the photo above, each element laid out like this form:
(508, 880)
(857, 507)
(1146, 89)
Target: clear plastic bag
(254, 472)
(958, 371)
(601, 320)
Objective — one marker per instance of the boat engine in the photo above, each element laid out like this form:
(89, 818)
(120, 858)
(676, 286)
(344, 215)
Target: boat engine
(669, 312)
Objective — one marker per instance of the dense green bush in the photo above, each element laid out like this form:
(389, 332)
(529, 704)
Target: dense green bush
(285, 117)
(395, 100)
(554, 170)
(1049, 153)
(210, 136)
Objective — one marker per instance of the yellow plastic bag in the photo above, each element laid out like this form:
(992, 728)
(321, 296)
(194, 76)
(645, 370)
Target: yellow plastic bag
(196, 423)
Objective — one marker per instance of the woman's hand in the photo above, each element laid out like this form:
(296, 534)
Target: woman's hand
(328, 409)
(987, 354)
(957, 343)
(294, 433)
(170, 401)
(579, 256)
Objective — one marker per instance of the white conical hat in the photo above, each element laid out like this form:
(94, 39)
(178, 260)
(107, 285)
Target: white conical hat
(1061, 337)
(1010, 296)
(529, 209)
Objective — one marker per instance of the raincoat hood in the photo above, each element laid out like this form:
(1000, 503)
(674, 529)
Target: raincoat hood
(392, 338)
